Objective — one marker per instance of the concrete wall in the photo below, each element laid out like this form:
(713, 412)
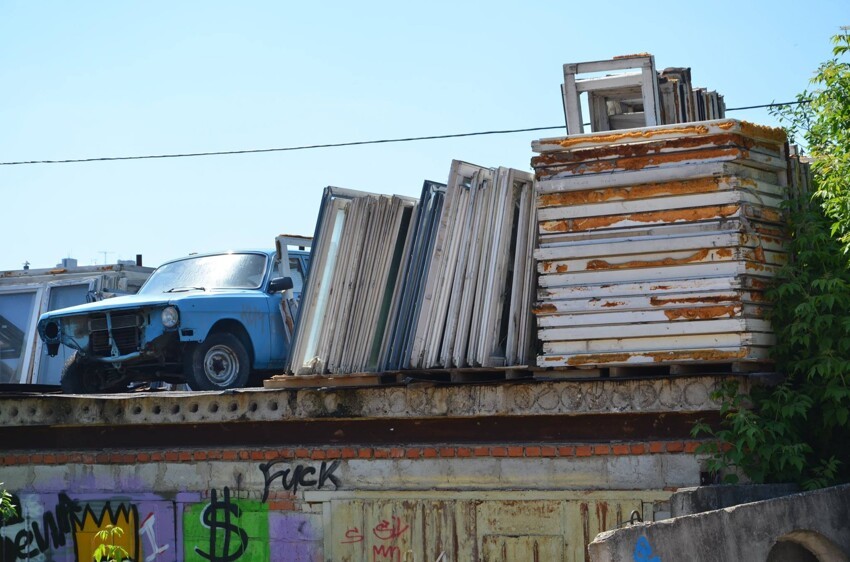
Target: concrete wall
(802, 527)
(508, 471)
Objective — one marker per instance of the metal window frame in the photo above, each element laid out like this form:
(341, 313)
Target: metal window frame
(645, 81)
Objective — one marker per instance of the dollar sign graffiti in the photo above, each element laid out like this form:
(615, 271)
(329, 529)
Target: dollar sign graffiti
(216, 516)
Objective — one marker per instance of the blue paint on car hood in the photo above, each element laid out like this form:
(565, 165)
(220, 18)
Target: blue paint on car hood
(152, 301)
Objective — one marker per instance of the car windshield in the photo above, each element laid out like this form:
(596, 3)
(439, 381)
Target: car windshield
(223, 271)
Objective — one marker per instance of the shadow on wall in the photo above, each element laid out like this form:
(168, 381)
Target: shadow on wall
(805, 546)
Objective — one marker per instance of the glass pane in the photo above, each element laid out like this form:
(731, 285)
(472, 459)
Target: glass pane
(224, 271)
(15, 314)
(50, 368)
(296, 274)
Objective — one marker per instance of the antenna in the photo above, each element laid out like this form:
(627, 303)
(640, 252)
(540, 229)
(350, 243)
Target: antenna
(105, 253)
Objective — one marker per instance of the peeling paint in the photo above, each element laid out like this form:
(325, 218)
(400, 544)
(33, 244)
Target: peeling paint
(702, 313)
(603, 264)
(643, 191)
(668, 216)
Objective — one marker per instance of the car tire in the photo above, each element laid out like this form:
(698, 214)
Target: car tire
(80, 377)
(219, 363)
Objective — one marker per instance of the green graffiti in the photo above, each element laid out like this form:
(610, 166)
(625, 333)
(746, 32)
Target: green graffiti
(225, 530)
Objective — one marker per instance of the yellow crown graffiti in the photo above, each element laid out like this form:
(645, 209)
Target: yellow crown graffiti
(87, 523)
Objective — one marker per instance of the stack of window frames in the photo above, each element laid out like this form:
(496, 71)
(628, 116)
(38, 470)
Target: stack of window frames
(656, 244)
(354, 268)
(475, 309)
(405, 311)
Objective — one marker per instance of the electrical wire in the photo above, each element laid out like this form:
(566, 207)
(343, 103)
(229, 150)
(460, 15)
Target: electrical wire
(327, 145)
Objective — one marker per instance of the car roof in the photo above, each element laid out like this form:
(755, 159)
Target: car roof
(264, 251)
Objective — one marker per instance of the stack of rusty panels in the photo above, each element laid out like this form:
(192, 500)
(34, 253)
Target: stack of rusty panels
(354, 264)
(475, 309)
(656, 245)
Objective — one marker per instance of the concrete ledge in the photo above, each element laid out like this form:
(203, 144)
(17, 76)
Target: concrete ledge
(817, 522)
(521, 398)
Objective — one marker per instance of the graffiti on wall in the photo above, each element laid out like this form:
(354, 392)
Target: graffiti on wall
(643, 551)
(385, 532)
(297, 476)
(55, 526)
(59, 527)
(225, 529)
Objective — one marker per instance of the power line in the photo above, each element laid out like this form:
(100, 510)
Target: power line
(285, 149)
(329, 145)
(798, 102)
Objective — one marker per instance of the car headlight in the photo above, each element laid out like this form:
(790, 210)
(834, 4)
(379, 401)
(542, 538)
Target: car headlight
(170, 317)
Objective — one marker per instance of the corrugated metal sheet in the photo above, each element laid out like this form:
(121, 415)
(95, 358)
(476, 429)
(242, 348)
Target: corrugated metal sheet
(656, 244)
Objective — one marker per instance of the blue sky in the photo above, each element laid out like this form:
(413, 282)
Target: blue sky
(92, 79)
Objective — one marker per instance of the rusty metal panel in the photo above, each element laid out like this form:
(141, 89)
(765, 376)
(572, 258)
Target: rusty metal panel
(531, 548)
(656, 244)
(584, 519)
(477, 525)
(401, 529)
(661, 132)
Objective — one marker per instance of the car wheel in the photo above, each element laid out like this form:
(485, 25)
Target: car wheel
(80, 377)
(219, 363)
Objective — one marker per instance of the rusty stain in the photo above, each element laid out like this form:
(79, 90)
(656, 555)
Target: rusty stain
(759, 283)
(658, 356)
(602, 515)
(545, 308)
(702, 313)
(724, 252)
(562, 268)
(643, 191)
(602, 264)
(668, 147)
(640, 162)
(599, 358)
(585, 523)
(771, 214)
(754, 266)
(612, 304)
(659, 288)
(673, 215)
(773, 134)
(57, 271)
(658, 301)
(632, 56)
(634, 134)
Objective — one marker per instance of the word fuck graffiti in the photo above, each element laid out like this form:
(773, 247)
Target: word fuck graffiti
(305, 476)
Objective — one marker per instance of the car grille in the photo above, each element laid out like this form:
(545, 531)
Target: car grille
(125, 331)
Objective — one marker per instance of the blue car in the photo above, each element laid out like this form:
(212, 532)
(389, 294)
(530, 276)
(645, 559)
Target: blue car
(210, 320)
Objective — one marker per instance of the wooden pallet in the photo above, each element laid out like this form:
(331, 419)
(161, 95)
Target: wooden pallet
(464, 375)
(333, 381)
(646, 371)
